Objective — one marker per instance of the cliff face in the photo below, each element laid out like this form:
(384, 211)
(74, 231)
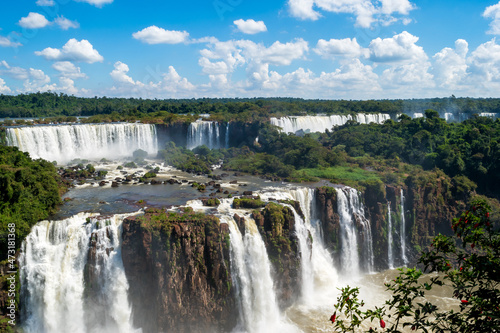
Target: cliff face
(178, 271)
(430, 204)
(276, 224)
(326, 208)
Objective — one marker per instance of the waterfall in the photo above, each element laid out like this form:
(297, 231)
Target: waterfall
(403, 230)
(351, 213)
(307, 124)
(251, 270)
(390, 254)
(227, 135)
(317, 268)
(54, 258)
(206, 133)
(63, 143)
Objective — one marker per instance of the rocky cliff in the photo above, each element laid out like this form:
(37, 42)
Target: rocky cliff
(432, 200)
(277, 226)
(178, 270)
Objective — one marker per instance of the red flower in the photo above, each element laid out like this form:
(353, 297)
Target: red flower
(333, 317)
(464, 301)
(472, 245)
(487, 214)
(461, 268)
(382, 323)
(476, 225)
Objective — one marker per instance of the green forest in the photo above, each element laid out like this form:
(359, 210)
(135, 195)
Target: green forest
(50, 104)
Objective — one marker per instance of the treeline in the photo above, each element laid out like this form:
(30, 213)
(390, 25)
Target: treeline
(470, 148)
(50, 104)
(29, 192)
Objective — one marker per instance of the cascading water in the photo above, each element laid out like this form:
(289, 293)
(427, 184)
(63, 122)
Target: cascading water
(207, 133)
(403, 230)
(351, 212)
(294, 124)
(317, 268)
(54, 260)
(63, 143)
(250, 265)
(390, 254)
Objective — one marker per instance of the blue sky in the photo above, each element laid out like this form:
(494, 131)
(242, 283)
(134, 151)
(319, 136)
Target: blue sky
(329, 49)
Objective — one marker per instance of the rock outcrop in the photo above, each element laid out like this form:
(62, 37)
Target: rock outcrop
(177, 265)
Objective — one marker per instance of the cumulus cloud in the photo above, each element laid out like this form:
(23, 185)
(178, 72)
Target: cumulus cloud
(6, 42)
(250, 27)
(65, 24)
(450, 65)
(97, 3)
(156, 35)
(399, 48)
(346, 47)
(68, 69)
(366, 11)
(48, 3)
(119, 74)
(493, 12)
(3, 87)
(169, 84)
(73, 50)
(484, 62)
(34, 21)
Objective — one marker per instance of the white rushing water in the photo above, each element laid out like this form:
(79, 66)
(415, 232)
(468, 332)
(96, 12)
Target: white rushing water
(307, 124)
(53, 261)
(63, 143)
(403, 230)
(208, 133)
(390, 254)
(351, 212)
(251, 270)
(318, 271)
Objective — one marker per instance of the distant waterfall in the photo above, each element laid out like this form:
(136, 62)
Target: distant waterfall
(53, 289)
(403, 230)
(208, 133)
(311, 124)
(63, 143)
(390, 254)
(352, 217)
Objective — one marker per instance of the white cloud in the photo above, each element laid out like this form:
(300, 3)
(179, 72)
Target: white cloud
(208, 67)
(366, 11)
(65, 24)
(73, 50)
(119, 74)
(303, 9)
(3, 87)
(485, 62)
(339, 47)
(450, 65)
(493, 12)
(156, 35)
(34, 21)
(68, 69)
(250, 27)
(6, 42)
(97, 3)
(399, 48)
(48, 3)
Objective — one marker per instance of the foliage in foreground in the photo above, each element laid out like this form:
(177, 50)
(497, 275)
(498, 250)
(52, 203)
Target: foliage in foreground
(29, 192)
(471, 268)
